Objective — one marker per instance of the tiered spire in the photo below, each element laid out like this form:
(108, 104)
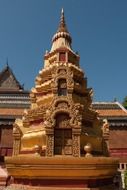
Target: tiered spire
(62, 25)
(62, 37)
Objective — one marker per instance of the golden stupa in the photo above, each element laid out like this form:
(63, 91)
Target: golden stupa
(58, 144)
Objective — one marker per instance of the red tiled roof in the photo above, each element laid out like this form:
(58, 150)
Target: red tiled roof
(111, 112)
(111, 109)
(11, 112)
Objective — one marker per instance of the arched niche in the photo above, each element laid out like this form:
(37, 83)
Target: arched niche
(62, 87)
(62, 134)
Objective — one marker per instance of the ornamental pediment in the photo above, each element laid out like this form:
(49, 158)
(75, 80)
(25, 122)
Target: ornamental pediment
(8, 80)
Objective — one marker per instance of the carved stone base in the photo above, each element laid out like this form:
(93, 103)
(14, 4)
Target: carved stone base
(61, 173)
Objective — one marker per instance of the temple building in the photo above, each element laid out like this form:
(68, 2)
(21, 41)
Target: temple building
(58, 143)
(13, 100)
(114, 116)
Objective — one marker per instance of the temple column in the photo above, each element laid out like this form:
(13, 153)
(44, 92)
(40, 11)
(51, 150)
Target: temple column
(49, 142)
(76, 142)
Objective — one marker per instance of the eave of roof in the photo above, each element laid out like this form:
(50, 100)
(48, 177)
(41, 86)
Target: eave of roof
(109, 112)
(11, 112)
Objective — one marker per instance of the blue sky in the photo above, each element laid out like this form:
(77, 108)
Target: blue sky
(98, 29)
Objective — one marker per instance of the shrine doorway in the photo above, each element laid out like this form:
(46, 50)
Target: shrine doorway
(63, 142)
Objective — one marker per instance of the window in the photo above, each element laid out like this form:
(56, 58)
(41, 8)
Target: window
(122, 166)
(62, 56)
(62, 87)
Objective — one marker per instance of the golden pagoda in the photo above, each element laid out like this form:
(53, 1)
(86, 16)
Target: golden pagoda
(58, 144)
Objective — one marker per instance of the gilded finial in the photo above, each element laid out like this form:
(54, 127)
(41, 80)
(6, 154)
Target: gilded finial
(62, 11)
(62, 32)
(62, 25)
(88, 150)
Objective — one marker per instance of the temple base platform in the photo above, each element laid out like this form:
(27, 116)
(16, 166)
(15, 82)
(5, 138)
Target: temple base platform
(61, 173)
(22, 187)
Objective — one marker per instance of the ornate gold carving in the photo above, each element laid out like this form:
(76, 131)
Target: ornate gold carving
(62, 71)
(17, 139)
(105, 127)
(62, 104)
(62, 120)
(76, 145)
(33, 114)
(50, 145)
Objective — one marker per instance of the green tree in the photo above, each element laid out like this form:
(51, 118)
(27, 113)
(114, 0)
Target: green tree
(125, 179)
(125, 102)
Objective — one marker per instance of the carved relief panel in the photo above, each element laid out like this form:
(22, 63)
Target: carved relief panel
(76, 145)
(50, 145)
(62, 121)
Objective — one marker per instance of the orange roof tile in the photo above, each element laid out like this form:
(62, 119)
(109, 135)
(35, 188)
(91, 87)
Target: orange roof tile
(12, 111)
(111, 112)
